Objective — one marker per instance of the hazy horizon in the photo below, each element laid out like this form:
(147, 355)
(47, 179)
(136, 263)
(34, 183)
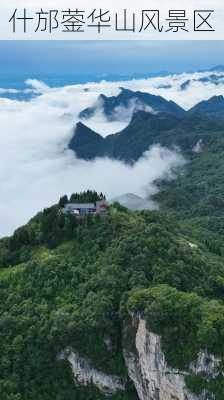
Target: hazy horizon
(64, 62)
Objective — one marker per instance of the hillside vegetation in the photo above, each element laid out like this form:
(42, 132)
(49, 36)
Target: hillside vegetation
(66, 283)
(72, 283)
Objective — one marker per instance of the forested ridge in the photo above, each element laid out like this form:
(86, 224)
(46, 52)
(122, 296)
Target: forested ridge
(72, 283)
(66, 283)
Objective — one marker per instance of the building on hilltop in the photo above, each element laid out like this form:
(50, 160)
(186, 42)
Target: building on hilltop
(82, 209)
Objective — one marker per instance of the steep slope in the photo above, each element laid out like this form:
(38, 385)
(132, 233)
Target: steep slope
(86, 143)
(144, 130)
(134, 100)
(196, 196)
(214, 107)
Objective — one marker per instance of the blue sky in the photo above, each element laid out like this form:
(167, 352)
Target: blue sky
(67, 61)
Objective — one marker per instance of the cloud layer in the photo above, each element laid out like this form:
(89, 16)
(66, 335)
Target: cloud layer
(36, 168)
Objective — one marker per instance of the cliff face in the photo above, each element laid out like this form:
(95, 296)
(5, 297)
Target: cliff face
(85, 374)
(147, 367)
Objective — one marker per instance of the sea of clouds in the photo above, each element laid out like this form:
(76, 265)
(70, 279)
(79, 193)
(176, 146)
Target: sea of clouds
(36, 167)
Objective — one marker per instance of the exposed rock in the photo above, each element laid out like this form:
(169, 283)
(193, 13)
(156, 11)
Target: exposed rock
(198, 147)
(148, 369)
(206, 364)
(193, 245)
(85, 374)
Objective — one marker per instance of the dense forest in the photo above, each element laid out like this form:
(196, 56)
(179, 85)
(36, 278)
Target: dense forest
(69, 283)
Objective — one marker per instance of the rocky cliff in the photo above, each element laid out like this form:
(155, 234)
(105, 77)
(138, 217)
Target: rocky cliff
(148, 369)
(85, 374)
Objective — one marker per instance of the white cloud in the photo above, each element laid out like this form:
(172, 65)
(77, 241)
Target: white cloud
(37, 86)
(35, 168)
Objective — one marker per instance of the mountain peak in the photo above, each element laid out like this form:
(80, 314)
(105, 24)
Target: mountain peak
(127, 99)
(125, 90)
(84, 130)
(85, 142)
(79, 126)
(211, 107)
(217, 99)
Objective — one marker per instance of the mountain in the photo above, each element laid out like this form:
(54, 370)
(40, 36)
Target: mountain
(126, 307)
(185, 85)
(144, 130)
(218, 68)
(86, 143)
(213, 108)
(197, 193)
(215, 79)
(111, 106)
(134, 202)
(127, 145)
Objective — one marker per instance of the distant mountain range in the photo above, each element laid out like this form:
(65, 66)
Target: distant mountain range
(166, 123)
(134, 202)
(214, 79)
(218, 68)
